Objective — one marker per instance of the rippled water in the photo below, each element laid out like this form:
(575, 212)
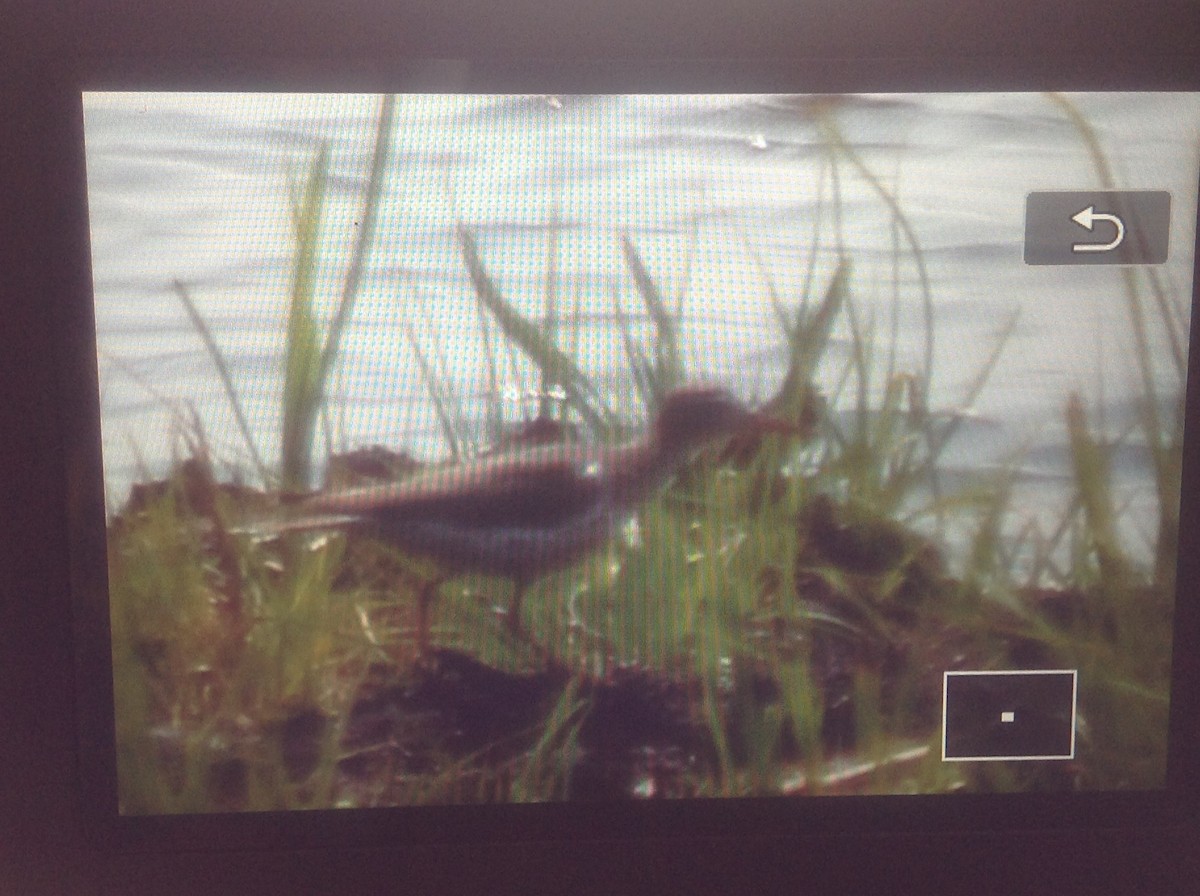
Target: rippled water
(719, 194)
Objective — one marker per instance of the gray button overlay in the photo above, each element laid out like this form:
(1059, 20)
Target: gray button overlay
(1098, 227)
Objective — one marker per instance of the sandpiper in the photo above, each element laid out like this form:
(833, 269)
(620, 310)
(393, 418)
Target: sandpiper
(529, 512)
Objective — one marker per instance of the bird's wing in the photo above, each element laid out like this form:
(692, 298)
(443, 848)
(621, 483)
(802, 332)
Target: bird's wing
(533, 489)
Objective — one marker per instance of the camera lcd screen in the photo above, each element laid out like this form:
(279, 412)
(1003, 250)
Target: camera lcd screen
(544, 448)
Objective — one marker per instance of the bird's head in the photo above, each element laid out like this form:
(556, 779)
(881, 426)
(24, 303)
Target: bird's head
(694, 416)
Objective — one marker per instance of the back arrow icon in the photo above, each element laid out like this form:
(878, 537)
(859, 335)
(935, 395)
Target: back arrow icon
(1087, 219)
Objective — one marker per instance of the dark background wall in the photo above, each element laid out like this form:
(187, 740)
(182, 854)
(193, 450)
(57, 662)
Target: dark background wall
(42, 849)
(623, 28)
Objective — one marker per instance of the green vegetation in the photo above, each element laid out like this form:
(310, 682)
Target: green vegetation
(778, 624)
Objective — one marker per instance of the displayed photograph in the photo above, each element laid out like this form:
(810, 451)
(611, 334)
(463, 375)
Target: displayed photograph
(471, 449)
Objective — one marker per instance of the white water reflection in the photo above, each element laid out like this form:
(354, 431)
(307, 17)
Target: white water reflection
(717, 193)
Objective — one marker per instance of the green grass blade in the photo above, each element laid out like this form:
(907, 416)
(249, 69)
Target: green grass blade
(834, 135)
(943, 436)
(639, 365)
(546, 774)
(302, 359)
(365, 233)
(218, 359)
(437, 393)
(667, 371)
(527, 336)
(550, 316)
(807, 341)
(494, 411)
(1170, 320)
(1161, 438)
(1092, 479)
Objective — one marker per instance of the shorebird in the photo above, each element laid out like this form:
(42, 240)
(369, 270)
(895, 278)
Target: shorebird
(529, 512)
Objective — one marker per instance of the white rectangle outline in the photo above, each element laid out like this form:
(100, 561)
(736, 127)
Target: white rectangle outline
(1074, 673)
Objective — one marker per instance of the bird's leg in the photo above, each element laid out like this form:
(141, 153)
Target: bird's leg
(518, 633)
(514, 607)
(426, 594)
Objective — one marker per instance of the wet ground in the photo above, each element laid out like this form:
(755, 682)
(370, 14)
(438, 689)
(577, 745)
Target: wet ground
(634, 732)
